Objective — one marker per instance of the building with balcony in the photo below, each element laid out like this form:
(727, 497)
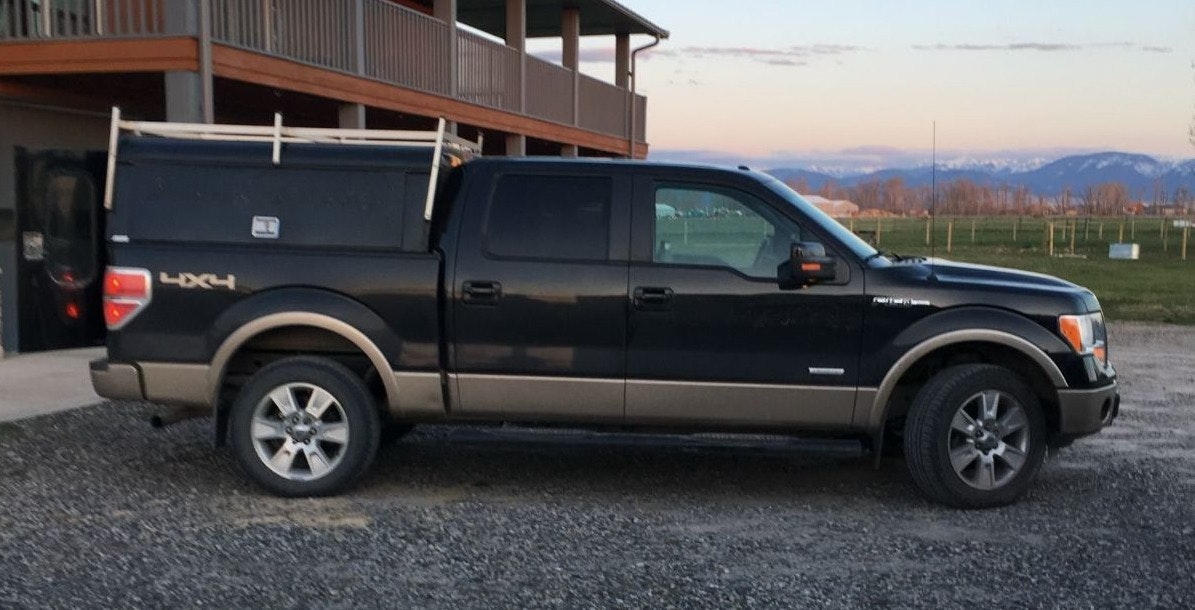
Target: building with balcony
(378, 64)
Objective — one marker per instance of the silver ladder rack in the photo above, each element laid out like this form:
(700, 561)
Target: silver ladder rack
(440, 141)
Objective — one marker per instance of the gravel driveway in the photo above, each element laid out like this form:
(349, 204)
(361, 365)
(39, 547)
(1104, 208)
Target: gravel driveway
(99, 510)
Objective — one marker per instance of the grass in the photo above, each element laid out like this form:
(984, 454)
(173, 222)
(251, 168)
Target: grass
(1160, 287)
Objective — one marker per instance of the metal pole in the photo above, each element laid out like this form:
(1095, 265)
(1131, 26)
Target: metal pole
(205, 61)
(633, 106)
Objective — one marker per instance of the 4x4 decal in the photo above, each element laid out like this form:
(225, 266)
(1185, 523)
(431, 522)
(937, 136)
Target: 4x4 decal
(204, 281)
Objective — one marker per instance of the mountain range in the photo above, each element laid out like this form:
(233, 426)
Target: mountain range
(1141, 175)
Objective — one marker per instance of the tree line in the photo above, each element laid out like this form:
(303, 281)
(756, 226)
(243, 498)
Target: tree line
(963, 197)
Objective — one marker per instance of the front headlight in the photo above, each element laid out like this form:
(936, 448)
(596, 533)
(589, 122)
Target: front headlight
(1087, 335)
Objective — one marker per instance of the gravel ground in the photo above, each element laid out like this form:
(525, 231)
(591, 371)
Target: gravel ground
(98, 510)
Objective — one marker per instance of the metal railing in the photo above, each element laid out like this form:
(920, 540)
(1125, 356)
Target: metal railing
(488, 73)
(42, 19)
(406, 48)
(604, 108)
(550, 92)
(376, 39)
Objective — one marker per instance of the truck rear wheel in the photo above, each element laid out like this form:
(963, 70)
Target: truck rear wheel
(304, 426)
(975, 437)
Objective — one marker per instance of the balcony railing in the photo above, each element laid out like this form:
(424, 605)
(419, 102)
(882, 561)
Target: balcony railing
(375, 39)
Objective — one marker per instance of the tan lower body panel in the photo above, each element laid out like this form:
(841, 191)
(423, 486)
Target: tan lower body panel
(738, 403)
(867, 415)
(420, 395)
(572, 398)
(178, 384)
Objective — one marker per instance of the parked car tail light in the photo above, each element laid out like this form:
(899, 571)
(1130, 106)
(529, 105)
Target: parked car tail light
(127, 291)
(1086, 334)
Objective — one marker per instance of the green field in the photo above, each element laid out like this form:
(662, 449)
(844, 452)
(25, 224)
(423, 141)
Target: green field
(1160, 287)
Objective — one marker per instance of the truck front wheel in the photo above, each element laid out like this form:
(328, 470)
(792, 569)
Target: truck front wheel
(975, 437)
(304, 426)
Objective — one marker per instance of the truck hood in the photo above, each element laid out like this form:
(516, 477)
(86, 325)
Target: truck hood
(988, 279)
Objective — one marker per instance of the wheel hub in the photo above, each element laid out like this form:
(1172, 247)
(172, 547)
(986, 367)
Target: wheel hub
(988, 440)
(300, 431)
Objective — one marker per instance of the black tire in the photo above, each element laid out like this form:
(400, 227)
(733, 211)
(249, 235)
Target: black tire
(312, 452)
(931, 435)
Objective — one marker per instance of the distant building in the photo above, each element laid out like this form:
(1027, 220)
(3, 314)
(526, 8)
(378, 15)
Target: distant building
(837, 208)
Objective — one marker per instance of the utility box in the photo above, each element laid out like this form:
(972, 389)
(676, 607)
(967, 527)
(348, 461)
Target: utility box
(1124, 252)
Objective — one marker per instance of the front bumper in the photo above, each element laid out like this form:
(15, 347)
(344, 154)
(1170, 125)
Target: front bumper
(116, 381)
(1083, 412)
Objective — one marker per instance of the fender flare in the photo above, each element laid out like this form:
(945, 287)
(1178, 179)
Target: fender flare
(876, 413)
(300, 318)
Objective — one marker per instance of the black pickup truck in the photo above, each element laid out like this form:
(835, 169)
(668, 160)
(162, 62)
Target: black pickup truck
(316, 297)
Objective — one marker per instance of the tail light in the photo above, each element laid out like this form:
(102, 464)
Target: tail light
(127, 291)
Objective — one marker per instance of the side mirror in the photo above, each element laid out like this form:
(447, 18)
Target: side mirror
(807, 264)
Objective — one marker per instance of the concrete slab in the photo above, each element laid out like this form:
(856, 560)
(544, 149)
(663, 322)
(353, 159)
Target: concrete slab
(46, 382)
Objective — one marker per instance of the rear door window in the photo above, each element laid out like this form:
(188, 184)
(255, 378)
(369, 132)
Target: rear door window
(543, 217)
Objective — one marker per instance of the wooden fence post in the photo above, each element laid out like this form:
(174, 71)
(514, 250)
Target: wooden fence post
(949, 236)
(1074, 229)
(1015, 225)
(1051, 248)
(1120, 240)
(1086, 229)
(1133, 228)
(1101, 230)
(1165, 241)
(879, 231)
(1185, 231)
(927, 235)
(972, 231)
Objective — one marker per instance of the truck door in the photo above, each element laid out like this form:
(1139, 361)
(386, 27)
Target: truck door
(59, 237)
(712, 338)
(539, 297)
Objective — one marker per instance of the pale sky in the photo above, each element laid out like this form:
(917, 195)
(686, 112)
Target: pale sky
(769, 78)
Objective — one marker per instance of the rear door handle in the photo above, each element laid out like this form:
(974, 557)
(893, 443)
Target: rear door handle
(482, 292)
(647, 297)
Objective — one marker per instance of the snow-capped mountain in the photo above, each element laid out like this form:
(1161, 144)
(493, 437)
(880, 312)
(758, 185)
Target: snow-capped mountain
(1141, 174)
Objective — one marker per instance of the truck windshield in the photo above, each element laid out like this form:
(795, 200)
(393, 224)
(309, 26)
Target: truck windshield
(861, 248)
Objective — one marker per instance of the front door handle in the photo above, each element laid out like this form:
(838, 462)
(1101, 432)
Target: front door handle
(647, 297)
(481, 292)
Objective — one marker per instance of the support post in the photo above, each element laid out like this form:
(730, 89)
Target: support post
(187, 96)
(622, 61)
(359, 36)
(949, 236)
(516, 38)
(352, 116)
(445, 10)
(570, 55)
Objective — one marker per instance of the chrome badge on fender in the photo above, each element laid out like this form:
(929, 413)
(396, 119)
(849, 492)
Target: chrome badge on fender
(204, 281)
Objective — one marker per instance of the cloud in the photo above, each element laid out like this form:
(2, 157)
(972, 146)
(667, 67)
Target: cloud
(793, 56)
(1048, 47)
(585, 56)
